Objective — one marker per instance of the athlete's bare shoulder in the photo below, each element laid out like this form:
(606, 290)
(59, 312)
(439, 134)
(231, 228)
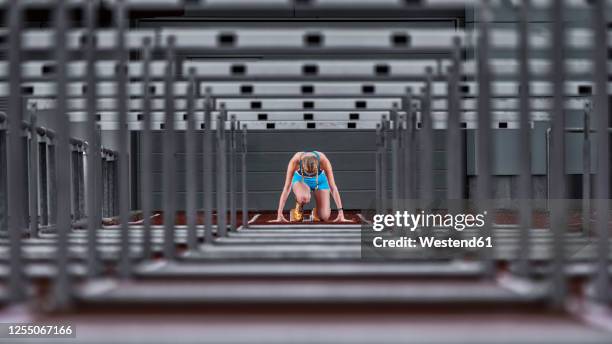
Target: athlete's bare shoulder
(296, 156)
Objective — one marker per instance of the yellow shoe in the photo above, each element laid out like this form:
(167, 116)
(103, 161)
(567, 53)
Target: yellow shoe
(296, 214)
(314, 215)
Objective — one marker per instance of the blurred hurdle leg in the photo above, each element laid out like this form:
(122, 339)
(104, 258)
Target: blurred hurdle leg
(378, 161)
(409, 164)
(81, 179)
(525, 183)
(62, 288)
(426, 145)
(208, 167)
(558, 214)
(454, 150)
(3, 177)
(384, 171)
(601, 121)
(169, 153)
(105, 185)
(33, 183)
(43, 178)
(586, 170)
(16, 155)
(395, 161)
(122, 163)
(52, 180)
(232, 172)
(483, 139)
(147, 152)
(453, 143)
(221, 173)
(245, 190)
(94, 193)
(190, 164)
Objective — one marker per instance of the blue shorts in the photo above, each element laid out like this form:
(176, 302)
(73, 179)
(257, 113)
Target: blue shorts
(312, 181)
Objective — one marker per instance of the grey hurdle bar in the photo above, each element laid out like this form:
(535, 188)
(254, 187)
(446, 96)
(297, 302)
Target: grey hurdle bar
(525, 183)
(208, 167)
(243, 171)
(558, 214)
(221, 173)
(190, 164)
(147, 140)
(232, 172)
(602, 122)
(169, 154)
(16, 154)
(94, 155)
(62, 288)
(122, 163)
(33, 175)
(483, 142)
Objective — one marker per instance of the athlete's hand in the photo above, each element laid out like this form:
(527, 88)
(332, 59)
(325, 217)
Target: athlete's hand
(340, 218)
(279, 219)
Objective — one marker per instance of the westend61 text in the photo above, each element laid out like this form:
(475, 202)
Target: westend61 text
(432, 242)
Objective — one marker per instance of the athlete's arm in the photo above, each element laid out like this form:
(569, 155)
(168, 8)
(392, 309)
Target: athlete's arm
(329, 171)
(291, 167)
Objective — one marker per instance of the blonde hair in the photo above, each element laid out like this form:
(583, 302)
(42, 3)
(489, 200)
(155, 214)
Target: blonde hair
(310, 164)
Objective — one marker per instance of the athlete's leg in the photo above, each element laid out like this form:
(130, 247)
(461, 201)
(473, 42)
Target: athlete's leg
(323, 208)
(301, 191)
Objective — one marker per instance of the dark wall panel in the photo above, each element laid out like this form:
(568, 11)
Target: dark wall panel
(352, 153)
